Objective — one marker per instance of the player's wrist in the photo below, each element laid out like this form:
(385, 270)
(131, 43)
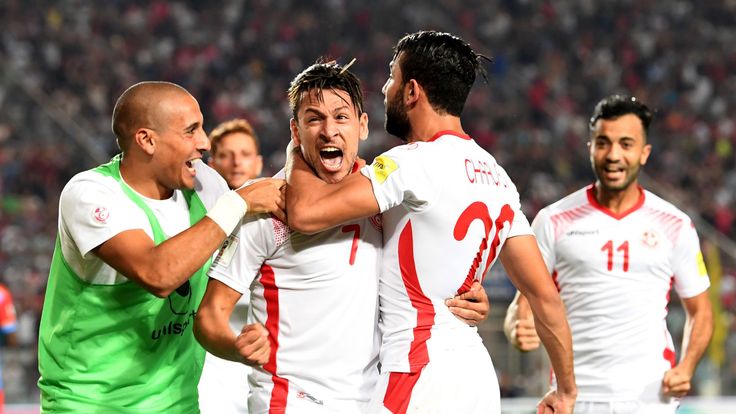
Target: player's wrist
(228, 210)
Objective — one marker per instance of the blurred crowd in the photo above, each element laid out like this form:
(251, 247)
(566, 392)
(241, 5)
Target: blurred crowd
(65, 62)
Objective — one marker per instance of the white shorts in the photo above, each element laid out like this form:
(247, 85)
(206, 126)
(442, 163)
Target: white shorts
(459, 382)
(223, 386)
(624, 407)
(299, 402)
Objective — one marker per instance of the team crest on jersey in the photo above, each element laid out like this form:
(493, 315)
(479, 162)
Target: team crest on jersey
(650, 239)
(101, 214)
(383, 166)
(377, 222)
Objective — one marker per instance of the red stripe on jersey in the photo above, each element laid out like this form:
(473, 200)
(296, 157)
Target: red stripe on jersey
(449, 132)
(618, 216)
(670, 223)
(418, 354)
(669, 354)
(554, 279)
(398, 391)
(271, 294)
(561, 221)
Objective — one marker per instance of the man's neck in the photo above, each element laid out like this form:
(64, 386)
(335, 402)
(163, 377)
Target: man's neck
(138, 178)
(618, 201)
(425, 126)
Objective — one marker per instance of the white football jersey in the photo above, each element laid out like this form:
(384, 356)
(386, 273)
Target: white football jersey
(317, 295)
(448, 208)
(93, 208)
(614, 273)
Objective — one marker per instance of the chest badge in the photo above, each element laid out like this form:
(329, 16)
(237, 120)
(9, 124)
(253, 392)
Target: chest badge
(650, 239)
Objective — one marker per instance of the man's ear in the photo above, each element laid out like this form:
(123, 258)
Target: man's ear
(363, 126)
(145, 138)
(412, 92)
(294, 131)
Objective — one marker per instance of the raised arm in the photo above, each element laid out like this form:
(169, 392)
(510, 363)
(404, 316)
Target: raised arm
(697, 333)
(162, 268)
(523, 263)
(313, 205)
(212, 328)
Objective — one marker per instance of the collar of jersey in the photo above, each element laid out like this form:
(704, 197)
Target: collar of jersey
(449, 132)
(618, 216)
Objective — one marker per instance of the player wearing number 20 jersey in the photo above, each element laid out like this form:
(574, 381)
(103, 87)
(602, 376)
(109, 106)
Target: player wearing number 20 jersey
(453, 193)
(614, 273)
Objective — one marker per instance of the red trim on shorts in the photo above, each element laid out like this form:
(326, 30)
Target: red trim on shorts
(418, 354)
(449, 132)
(398, 391)
(271, 294)
(618, 216)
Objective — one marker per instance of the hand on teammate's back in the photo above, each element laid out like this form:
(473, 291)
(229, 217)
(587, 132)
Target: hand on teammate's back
(253, 344)
(471, 307)
(265, 196)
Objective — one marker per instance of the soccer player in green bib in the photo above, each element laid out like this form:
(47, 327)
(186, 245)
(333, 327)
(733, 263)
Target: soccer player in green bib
(135, 238)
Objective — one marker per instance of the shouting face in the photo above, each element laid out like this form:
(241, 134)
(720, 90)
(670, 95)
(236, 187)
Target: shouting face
(328, 128)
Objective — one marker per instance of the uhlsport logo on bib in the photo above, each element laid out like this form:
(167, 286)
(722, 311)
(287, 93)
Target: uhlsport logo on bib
(180, 300)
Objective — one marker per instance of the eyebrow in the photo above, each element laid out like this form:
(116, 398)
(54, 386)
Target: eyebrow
(192, 126)
(318, 112)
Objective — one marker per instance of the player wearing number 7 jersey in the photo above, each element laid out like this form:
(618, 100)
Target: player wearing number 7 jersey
(449, 211)
(316, 295)
(615, 251)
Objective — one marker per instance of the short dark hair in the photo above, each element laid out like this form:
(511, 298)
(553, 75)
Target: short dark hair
(443, 64)
(321, 76)
(614, 106)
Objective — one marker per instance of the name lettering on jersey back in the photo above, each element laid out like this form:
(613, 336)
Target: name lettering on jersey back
(483, 172)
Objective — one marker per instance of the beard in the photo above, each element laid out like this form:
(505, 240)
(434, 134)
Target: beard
(397, 121)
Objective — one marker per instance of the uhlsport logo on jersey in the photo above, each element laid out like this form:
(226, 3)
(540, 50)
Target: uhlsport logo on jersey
(180, 305)
(180, 300)
(383, 166)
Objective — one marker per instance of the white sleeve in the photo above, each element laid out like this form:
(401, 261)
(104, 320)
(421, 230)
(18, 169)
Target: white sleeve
(398, 177)
(545, 233)
(92, 212)
(240, 258)
(209, 185)
(688, 267)
(520, 226)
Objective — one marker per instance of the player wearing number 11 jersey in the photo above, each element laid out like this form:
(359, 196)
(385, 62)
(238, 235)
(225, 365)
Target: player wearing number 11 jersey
(449, 211)
(615, 251)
